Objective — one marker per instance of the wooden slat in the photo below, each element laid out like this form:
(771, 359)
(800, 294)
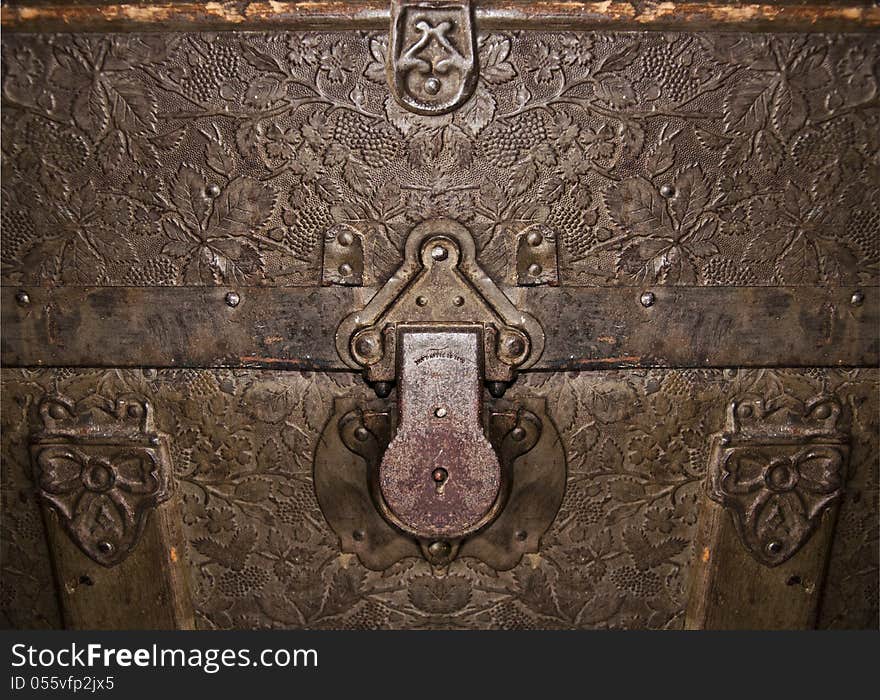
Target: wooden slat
(585, 327)
(149, 589)
(490, 14)
(730, 590)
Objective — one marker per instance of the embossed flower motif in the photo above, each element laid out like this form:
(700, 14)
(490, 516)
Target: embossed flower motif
(544, 63)
(303, 49)
(597, 143)
(337, 63)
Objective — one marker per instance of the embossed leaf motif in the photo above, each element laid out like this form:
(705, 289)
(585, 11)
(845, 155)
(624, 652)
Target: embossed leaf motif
(637, 207)
(242, 208)
(495, 68)
(440, 596)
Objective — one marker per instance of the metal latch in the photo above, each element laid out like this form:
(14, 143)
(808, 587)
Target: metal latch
(439, 330)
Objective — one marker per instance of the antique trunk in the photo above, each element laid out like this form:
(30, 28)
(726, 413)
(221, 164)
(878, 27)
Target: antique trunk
(409, 314)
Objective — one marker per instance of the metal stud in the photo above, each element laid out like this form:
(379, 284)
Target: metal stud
(432, 86)
(439, 253)
(535, 269)
(647, 299)
(23, 298)
(667, 191)
(212, 191)
(232, 299)
(857, 299)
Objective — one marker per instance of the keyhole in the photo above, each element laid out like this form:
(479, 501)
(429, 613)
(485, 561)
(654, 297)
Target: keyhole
(440, 475)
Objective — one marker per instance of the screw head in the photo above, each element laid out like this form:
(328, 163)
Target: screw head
(422, 301)
(518, 434)
(514, 346)
(521, 535)
(56, 411)
(535, 269)
(212, 191)
(439, 475)
(358, 535)
(440, 549)
(496, 389)
(440, 412)
(823, 411)
(432, 86)
(232, 299)
(105, 547)
(382, 389)
(458, 301)
(857, 299)
(647, 299)
(534, 238)
(438, 253)
(345, 269)
(667, 191)
(345, 238)
(774, 546)
(361, 434)
(23, 298)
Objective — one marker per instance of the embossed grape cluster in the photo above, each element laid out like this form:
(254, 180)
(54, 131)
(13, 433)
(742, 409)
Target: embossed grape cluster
(307, 228)
(586, 511)
(666, 69)
(18, 232)
(640, 583)
(377, 144)
(725, 270)
(509, 616)
(506, 141)
(294, 509)
(863, 230)
(369, 616)
(237, 584)
(208, 74)
(577, 236)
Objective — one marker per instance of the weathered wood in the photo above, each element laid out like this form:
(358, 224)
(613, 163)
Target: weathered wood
(490, 14)
(730, 589)
(147, 590)
(585, 328)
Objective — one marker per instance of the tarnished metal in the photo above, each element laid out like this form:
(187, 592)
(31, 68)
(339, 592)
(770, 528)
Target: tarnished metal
(102, 467)
(536, 257)
(777, 467)
(343, 256)
(439, 429)
(432, 54)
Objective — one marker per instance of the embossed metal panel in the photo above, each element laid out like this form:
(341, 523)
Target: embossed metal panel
(685, 216)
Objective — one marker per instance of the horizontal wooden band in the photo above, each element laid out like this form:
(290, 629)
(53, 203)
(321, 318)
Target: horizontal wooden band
(585, 327)
(490, 14)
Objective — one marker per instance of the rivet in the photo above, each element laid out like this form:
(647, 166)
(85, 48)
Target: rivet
(105, 547)
(774, 546)
(514, 346)
(823, 411)
(358, 535)
(154, 441)
(857, 299)
(458, 301)
(133, 411)
(667, 191)
(345, 269)
(440, 549)
(345, 238)
(432, 86)
(521, 535)
(534, 238)
(56, 411)
(496, 389)
(744, 411)
(212, 191)
(422, 301)
(382, 389)
(518, 433)
(361, 434)
(439, 475)
(535, 269)
(439, 253)
(440, 412)
(232, 299)
(647, 299)
(366, 346)
(23, 298)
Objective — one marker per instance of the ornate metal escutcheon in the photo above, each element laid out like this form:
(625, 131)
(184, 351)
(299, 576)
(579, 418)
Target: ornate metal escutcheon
(102, 467)
(776, 469)
(432, 57)
(441, 469)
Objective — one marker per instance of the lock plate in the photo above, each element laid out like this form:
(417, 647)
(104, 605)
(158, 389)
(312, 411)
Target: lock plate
(439, 477)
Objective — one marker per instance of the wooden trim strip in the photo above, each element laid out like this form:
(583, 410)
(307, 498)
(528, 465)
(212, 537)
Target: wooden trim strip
(490, 14)
(585, 327)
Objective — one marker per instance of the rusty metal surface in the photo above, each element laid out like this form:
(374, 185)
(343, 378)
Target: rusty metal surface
(102, 467)
(784, 15)
(261, 554)
(440, 477)
(777, 468)
(585, 328)
(657, 159)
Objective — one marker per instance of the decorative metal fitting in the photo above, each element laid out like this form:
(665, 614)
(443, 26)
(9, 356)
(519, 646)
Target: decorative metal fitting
(432, 55)
(777, 468)
(101, 466)
(536, 258)
(343, 256)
